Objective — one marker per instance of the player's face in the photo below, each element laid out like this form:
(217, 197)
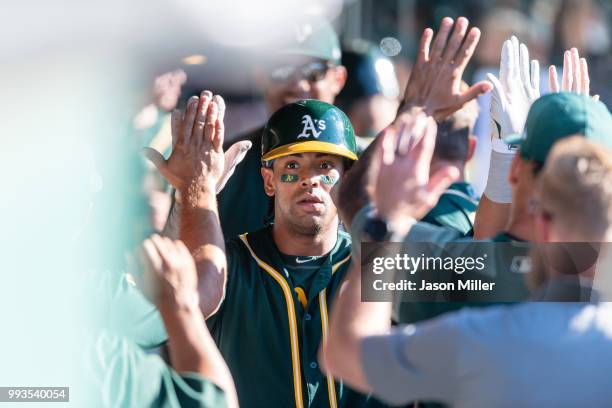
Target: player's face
(301, 185)
(294, 78)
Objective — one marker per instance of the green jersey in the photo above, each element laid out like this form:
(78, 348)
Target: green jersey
(243, 204)
(455, 209)
(269, 333)
(121, 374)
(501, 262)
(122, 326)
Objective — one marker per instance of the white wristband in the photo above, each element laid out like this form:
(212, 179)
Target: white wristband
(498, 188)
(502, 147)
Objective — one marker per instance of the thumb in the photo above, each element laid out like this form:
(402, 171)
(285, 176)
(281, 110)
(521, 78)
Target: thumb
(475, 91)
(233, 156)
(157, 159)
(439, 182)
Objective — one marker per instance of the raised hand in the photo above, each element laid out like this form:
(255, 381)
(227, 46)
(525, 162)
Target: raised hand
(402, 189)
(170, 279)
(513, 93)
(575, 76)
(435, 81)
(167, 89)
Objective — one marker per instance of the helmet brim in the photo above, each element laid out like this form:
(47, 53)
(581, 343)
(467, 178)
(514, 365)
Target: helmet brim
(311, 146)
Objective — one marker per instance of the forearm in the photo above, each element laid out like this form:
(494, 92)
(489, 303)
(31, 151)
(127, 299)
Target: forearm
(351, 321)
(200, 230)
(494, 208)
(491, 218)
(192, 349)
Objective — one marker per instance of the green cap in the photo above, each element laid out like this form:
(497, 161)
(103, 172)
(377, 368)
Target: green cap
(559, 115)
(313, 39)
(308, 126)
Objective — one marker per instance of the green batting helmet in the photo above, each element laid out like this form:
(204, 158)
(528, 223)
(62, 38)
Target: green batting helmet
(308, 126)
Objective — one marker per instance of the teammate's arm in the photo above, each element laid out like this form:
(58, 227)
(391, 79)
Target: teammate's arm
(513, 93)
(170, 281)
(434, 86)
(194, 168)
(402, 192)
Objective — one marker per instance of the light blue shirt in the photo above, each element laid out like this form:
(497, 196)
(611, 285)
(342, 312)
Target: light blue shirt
(525, 355)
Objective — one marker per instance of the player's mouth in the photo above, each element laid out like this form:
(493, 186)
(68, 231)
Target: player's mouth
(311, 203)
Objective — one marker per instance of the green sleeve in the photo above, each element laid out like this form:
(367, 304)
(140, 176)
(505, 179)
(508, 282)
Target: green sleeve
(125, 376)
(132, 315)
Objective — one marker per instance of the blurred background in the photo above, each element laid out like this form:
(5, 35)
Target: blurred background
(75, 74)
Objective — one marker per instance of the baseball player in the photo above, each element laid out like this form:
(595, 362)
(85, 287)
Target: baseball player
(266, 294)
(306, 67)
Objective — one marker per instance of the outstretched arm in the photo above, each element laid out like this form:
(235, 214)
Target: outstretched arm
(194, 169)
(402, 191)
(434, 86)
(170, 281)
(513, 93)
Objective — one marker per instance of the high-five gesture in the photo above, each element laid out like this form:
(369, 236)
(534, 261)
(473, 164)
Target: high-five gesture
(435, 81)
(575, 75)
(402, 189)
(516, 89)
(197, 159)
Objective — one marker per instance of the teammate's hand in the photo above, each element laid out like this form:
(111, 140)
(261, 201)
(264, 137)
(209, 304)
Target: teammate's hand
(402, 190)
(170, 279)
(575, 75)
(435, 80)
(197, 161)
(513, 93)
(167, 89)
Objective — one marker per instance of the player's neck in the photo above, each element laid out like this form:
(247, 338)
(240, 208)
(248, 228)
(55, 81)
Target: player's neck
(292, 243)
(520, 224)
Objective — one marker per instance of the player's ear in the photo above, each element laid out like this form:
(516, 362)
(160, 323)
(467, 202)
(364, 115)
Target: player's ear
(514, 174)
(471, 147)
(339, 78)
(268, 180)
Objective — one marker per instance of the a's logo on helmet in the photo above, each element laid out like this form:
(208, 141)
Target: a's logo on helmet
(311, 126)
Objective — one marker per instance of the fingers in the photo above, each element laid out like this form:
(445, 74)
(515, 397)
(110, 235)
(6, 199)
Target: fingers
(210, 126)
(236, 152)
(514, 69)
(506, 59)
(441, 37)
(219, 124)
(176, 126)
(475, 91)
(199, 128)
(553, 81)
(189, 118)
(423, 53)
(566, 79)
(455, 40)
(524, 66)
(150, 257)
(535, 77)
(388, 146)
(577, 80)
(424, 131)
(156, 158)
(162, 249)
(584, 77)
(467, 50)
(498, 91)
(440, 181)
